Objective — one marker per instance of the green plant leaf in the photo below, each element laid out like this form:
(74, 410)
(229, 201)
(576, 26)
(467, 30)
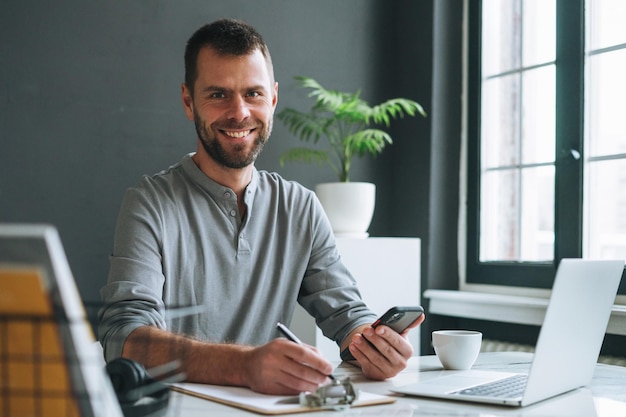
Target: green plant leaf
(371, 141)
(302, 125)
(325, 100)
(394, 108)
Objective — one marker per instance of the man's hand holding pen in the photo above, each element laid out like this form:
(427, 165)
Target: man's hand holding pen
(286, 367)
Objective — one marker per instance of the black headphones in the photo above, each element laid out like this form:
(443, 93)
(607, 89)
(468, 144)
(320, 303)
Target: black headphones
(132, 383)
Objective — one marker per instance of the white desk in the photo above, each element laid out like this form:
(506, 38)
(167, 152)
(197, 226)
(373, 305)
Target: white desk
(605, 397)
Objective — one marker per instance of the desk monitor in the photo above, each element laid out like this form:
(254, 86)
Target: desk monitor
(50, 363)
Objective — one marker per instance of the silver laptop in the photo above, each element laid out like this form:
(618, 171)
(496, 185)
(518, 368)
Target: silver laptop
(567, 349)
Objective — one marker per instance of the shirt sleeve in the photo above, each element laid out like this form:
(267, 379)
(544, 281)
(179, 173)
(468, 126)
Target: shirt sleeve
(329, 292)
(132, 296)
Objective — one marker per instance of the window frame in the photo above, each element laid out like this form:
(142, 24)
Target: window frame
(569, 154)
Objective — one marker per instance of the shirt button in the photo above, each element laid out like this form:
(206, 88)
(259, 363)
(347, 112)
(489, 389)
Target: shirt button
(233, 212)
(227, 195)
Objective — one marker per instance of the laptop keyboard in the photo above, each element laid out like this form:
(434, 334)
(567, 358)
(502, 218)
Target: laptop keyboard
(510, 387)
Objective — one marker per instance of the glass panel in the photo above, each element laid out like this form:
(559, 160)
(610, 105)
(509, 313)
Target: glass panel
(500, 124)
(539, 42)
(606, 210)
(605, 177)
(537, 214)
(606, 90)
(500, 36)
(499, 222)
(538, 119)
(606, 20)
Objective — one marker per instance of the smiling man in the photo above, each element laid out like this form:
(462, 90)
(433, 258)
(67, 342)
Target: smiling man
(242, 245)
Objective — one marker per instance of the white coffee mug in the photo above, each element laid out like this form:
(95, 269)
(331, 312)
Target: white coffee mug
(457, 349)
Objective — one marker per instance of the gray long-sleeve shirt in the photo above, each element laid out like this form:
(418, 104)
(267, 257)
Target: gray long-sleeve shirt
(180, 241)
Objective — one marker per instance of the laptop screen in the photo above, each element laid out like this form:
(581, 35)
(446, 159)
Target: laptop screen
(56, 341)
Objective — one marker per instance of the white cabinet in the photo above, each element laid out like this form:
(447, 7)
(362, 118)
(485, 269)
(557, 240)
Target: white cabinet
(387, 271)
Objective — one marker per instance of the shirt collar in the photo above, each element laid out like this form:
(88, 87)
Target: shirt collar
(216, 190)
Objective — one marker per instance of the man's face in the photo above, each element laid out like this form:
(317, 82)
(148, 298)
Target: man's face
(232, 107)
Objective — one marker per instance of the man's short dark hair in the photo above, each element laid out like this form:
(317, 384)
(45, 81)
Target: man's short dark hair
(227, 37)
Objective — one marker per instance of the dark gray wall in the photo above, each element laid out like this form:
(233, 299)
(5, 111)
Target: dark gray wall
(90, 101)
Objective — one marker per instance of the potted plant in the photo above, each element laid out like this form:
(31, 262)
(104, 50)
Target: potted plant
(349, 124)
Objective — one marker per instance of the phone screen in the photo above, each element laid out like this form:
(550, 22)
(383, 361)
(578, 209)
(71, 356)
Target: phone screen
(399, 318)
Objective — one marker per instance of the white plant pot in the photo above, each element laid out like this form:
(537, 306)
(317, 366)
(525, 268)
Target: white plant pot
(349, 206)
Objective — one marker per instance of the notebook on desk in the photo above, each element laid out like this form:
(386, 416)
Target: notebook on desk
(567, 348)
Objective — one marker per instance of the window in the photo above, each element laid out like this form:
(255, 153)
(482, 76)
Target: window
(546, 138)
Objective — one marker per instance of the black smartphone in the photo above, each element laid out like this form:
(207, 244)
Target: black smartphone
(396, 318)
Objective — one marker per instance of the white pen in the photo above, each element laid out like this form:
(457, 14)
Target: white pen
(289, 335)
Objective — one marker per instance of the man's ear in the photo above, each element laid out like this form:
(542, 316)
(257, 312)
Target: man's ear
(187, 101)
(275, 98)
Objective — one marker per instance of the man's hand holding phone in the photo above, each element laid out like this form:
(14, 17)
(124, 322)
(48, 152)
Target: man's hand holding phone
(382, 349)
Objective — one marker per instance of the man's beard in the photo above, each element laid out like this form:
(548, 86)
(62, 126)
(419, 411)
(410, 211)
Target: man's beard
(238, 158)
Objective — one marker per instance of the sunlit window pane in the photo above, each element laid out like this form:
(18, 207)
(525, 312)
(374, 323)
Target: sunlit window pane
(500, 121)
(606, 95)
(606, 208)
(606, 23)
(538, 118)
(500, 207)
(517, 215)
(539, 42)
(501, 36)
(537, 215)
